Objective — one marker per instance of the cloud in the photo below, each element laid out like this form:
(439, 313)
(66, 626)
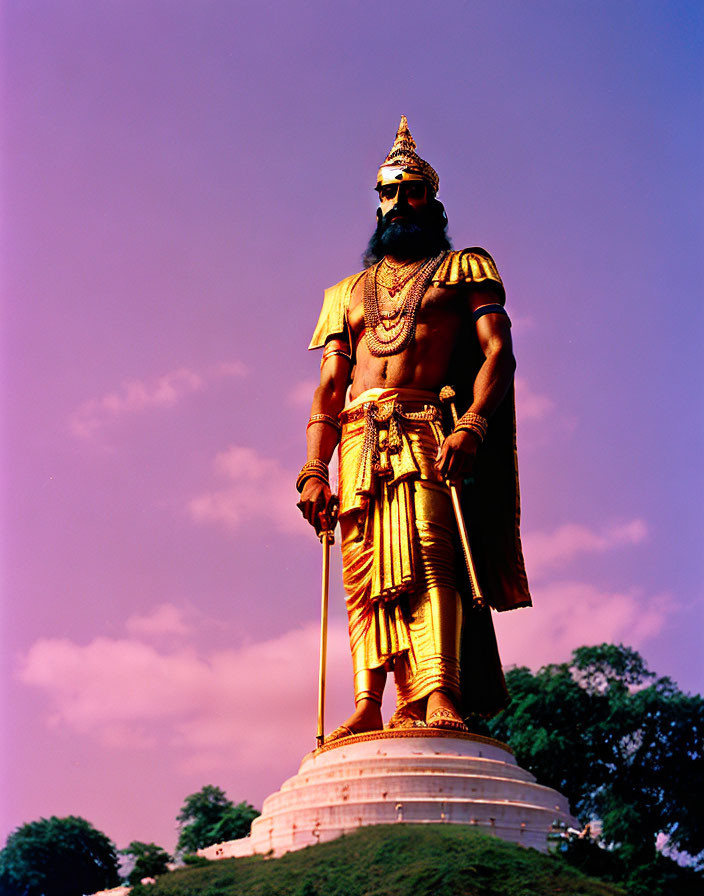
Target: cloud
(138, 396)
(531, 405)
(165, 619)
(301, 394)
(216, 709)
(546, 550)
(258, 489)
(228, 706)
(569, 614)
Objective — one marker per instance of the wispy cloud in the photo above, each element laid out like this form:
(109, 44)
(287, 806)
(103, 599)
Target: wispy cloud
(163, 620)
(301, 394)
(216, 708)
(230, 703)
(257, 489)
(547, 550)
(568, 614)
(531, 405)
(137, 396)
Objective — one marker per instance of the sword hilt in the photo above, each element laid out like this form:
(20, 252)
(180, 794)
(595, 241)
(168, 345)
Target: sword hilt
(447, 395)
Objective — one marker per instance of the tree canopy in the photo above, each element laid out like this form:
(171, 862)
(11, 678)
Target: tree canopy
(208, 816)
(150, 860)
(57, 857)
(621, 744)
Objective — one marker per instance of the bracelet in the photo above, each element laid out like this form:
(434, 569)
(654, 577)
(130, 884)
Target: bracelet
(335, 351)
(472, 422)
(324, 418)
(313, 469)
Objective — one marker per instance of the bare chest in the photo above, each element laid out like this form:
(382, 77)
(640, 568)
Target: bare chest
(438, 305)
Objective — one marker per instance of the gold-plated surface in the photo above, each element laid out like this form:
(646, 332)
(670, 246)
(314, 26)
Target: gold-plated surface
(458, 267)
(326, 539)
(390, 329)
(447, 394)
(396, 522)
(412, 732)
(404, 163)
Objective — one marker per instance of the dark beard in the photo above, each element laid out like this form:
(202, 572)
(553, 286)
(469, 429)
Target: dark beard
(419, 236)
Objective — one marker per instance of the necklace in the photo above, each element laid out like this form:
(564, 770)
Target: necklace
(389, 330)
(393, 277)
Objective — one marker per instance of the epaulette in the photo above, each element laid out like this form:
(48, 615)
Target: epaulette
(473, 265)
(333, 317)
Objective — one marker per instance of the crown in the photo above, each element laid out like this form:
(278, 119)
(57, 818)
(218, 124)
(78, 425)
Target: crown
(404, 163)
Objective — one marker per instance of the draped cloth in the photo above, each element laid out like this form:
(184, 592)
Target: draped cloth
(399, 553)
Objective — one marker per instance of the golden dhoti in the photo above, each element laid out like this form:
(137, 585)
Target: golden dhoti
(398, 554)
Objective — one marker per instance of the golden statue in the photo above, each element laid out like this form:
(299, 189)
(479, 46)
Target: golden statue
(418, 317)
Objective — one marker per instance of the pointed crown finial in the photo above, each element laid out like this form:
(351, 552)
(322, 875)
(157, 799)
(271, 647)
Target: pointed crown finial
(404, 163)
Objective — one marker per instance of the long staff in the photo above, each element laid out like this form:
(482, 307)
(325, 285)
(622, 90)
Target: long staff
(447, 393)
(326, 539)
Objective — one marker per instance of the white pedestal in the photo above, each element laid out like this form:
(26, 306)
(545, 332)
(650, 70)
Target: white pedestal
(414, 775)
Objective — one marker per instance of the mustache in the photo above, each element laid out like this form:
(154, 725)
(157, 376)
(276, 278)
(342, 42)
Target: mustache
(409, 215)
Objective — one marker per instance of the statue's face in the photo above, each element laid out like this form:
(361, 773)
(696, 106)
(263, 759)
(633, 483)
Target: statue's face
(403, 196)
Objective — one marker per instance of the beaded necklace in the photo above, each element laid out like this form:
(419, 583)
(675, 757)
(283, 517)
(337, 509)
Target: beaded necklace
(390, 331)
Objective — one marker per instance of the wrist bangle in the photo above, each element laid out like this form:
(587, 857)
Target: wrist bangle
(313, 469)
(324, 418)
(472, 422)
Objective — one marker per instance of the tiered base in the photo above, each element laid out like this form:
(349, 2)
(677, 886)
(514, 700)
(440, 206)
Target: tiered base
(408, 775)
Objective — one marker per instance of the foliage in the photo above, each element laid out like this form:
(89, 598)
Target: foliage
(192, 858)
(208, 816)
(57, 857)
(150, 860)
(390, 860)
(621, 744)
(659, 876)
(235, 823)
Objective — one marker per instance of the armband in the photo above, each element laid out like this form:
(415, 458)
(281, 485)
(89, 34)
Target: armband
(336, 347)
(493, 308)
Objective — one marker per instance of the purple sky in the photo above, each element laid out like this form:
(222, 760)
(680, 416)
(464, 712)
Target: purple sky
(181, 180)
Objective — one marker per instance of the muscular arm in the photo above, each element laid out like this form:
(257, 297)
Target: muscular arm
(496, 373)
(456, 456)
(317, 502)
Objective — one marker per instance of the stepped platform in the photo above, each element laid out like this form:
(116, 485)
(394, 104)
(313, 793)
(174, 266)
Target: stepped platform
(417, 775)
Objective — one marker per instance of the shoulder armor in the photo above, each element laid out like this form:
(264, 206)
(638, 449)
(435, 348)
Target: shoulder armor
(333, 317)
(473, 265)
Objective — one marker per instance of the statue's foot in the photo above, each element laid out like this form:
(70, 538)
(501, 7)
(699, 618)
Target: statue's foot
(367, 717)
(339, 732)
(441, 713)
(445, 719)
(408, 716)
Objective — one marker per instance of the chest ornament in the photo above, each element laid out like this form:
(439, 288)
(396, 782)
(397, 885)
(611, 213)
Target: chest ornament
(392, 296)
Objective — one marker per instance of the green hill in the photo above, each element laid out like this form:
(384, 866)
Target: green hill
(390, 860)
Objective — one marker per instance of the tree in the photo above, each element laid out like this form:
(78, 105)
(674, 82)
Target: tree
(210, 817)
(621, 744)
(236, 822)
(150, 860)
(57, 857)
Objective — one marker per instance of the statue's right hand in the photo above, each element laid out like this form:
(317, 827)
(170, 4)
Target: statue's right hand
(318, 505)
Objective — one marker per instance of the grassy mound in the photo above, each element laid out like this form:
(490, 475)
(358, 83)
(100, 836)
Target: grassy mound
(390, 860)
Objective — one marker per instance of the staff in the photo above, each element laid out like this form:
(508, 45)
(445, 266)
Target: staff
(327, 538)
(447, 393)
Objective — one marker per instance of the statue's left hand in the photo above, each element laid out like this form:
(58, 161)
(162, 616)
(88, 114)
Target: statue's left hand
(456, 455)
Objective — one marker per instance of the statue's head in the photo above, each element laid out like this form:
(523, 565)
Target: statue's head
(411, 222)
(404, 165)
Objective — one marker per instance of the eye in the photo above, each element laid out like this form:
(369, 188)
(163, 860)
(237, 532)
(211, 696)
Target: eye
(388, 192)
(416, 190)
